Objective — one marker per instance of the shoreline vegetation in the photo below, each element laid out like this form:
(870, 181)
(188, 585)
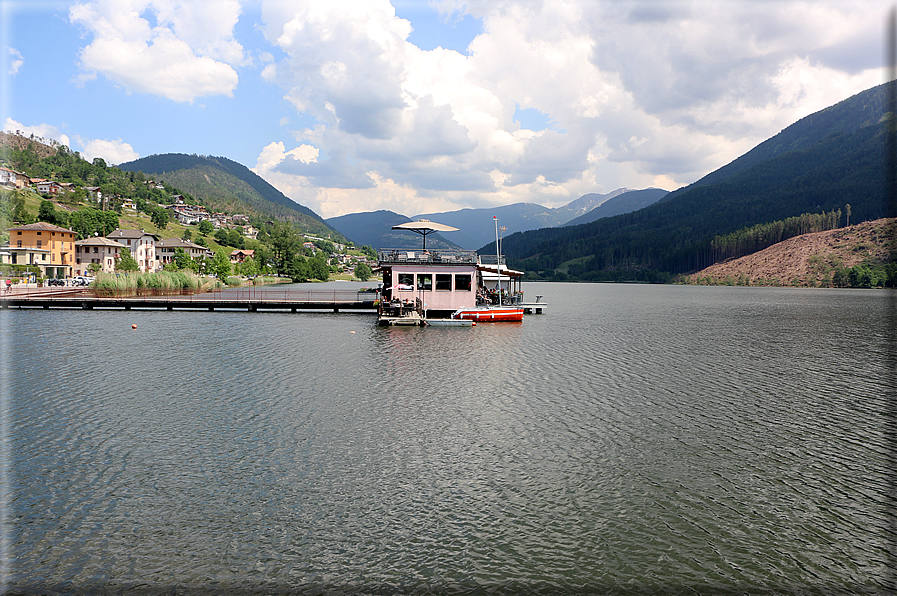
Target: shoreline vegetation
(168, 283)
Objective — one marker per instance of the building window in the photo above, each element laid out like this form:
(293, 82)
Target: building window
(462, 283)
(406, 279)
(18, 244)
(38, 242)
(444, 281)
(425, 282)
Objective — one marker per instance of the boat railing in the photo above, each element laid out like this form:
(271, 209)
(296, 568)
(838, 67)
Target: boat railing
(438, 256)
(490, 259)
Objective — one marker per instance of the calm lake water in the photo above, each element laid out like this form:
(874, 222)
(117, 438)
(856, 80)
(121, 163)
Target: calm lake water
(635, 439)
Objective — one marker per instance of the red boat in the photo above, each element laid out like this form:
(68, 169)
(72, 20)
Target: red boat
(490, 314)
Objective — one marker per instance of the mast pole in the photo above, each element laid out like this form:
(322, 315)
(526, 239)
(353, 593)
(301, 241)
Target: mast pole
(497, 258)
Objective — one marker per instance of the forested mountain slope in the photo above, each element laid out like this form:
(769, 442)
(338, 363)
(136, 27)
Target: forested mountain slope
(226, 185)
(838, 160)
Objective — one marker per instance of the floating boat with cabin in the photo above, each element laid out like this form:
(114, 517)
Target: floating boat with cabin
(446, 287)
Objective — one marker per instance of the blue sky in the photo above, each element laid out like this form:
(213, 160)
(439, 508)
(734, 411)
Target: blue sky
(421, 107)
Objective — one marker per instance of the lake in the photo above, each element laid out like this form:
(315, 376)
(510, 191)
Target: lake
(634, 439)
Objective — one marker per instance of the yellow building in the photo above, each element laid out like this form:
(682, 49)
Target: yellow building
(49, 247)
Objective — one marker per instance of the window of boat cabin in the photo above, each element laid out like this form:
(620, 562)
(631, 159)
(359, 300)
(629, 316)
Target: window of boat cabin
(462, 283)
(424, 281)
(406, 279)
(444, 281)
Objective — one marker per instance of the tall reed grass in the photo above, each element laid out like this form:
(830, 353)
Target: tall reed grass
(155, 284)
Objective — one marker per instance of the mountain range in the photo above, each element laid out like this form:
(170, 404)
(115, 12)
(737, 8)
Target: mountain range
(476, 226)
(822, 163)
(226, 185)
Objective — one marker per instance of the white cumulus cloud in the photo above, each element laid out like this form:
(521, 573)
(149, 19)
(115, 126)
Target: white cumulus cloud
(176, 49)
(637, 93)
(113, 152)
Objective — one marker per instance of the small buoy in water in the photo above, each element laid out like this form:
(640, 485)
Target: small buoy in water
(134, 326)
(351, 332)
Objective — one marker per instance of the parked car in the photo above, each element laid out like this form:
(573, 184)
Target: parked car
(55, 282)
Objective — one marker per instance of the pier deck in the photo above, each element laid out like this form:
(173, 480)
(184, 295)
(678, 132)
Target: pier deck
(251, 300)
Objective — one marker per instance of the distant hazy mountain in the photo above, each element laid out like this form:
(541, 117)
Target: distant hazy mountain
(626, 202)
(586, 203)
(477, 228)
(226, 185)
(374, 229)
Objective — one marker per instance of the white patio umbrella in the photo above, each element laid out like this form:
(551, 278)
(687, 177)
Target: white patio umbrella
(424, 227)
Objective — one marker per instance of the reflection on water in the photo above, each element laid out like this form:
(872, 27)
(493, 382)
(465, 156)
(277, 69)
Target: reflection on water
(633, 439)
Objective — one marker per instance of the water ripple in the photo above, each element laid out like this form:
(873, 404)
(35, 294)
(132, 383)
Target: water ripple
(633, 440)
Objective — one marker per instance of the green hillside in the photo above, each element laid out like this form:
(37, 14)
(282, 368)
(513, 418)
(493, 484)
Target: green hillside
(820, 164)
(225, 185)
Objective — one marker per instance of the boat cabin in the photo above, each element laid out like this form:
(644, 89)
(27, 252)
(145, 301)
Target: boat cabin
(435, 283)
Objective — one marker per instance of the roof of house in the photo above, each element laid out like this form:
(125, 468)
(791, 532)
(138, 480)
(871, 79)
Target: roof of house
(118, 233)
(99, 241)
(40, 226)
(178, 243)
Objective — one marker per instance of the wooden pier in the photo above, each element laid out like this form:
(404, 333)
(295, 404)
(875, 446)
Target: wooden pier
(251, 300)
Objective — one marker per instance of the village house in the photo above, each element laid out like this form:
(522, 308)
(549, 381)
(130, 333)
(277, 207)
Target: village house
(12, 179)
(49, 247)
(99, 250)
(142, 246)
(240, 255)
(49, 187)
(165, 250)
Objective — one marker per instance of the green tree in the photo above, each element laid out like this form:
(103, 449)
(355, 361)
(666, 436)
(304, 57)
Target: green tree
(363, 271)
(187, 234)
(250, 267)
(90, 222)
(206, 227)
(126, 262)
(46, 212)
(20, 213)
(160, 217)
(318, 268)
(296, 268)
(236, 239)
(181, 259)
(221, 266)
